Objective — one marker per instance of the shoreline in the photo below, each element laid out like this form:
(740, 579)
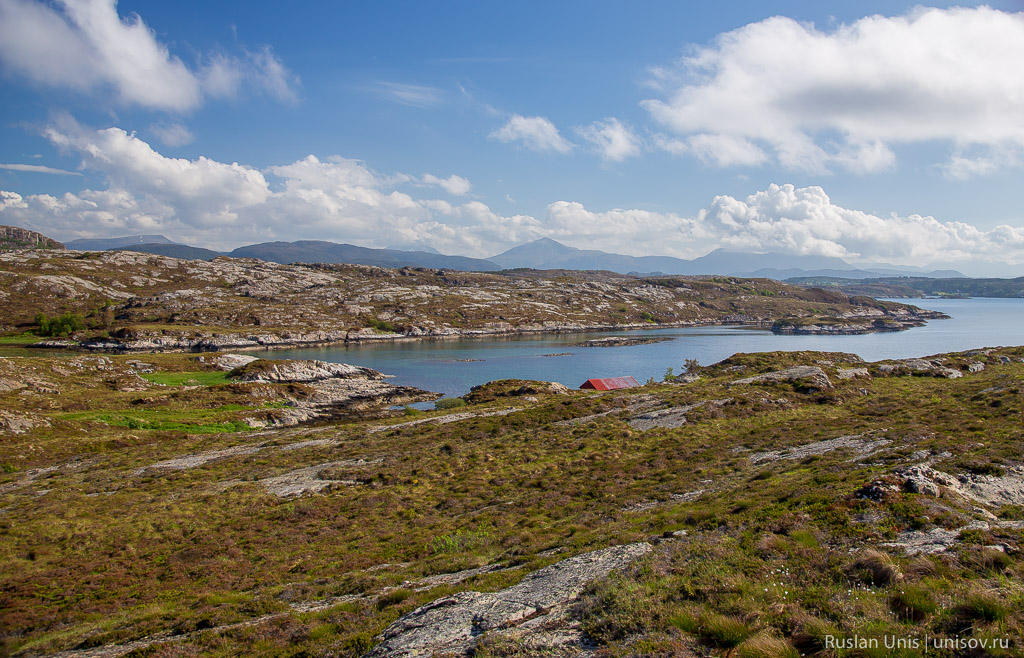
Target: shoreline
(320, 338)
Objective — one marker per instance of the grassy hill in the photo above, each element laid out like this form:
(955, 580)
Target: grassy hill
(124, 293)
(910, 287)
(788, 497)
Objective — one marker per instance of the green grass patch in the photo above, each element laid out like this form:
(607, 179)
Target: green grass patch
(19, 339)
(197, 378)
(193, 421)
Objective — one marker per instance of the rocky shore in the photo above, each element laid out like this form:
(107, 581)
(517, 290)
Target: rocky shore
(853, 326)
(136, 302)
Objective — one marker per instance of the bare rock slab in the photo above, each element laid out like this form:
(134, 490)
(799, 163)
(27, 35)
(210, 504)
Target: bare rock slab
(453, 624)
(810, 375)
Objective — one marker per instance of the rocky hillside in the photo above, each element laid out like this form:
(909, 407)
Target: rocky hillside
(12, 237)
(140, 301)
(164, 506)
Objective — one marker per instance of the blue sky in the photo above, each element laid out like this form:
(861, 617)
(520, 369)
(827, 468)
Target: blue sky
(870, 131)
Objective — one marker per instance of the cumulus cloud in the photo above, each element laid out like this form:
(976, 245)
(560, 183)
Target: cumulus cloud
(173, 133)
(454, 185)
(85, 45)
(626, 231)
(226, 204)
(38, 169)
(612, 139)
(535, 133)
(793, 220)
(222, 205)
(208, 191)
(815, 99)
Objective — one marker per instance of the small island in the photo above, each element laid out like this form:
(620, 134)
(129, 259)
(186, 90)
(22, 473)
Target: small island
(622, 341)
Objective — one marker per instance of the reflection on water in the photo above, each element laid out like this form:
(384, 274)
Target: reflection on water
(452, 366)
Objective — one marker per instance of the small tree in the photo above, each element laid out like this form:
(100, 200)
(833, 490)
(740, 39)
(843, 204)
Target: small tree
(691, 366)
(670, 374)
(60, 325)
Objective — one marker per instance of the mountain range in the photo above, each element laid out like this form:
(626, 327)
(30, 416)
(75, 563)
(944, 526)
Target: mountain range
(542, 254)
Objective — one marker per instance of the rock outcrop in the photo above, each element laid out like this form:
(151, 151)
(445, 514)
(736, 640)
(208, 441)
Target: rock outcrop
(932, 367)
(671, 418)
(510, 388)
(272, 371)
(454, 624)
(13, 237)
(810, 376)
(327, 390)
(988, 490)
(858, 443)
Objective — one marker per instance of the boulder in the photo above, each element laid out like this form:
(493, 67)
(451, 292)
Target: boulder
(852, 373)
(454, 624)
(232, 361)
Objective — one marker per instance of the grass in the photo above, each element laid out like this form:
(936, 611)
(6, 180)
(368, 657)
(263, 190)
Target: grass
(196, 378)
(20, 339)
(778, 555)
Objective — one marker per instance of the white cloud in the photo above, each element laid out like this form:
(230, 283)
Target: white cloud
(454, 185)
(719, 150)
(410, 94)
(624, 231)
(207, 191)
(222, 205)
(818, 99)
(793, 220)
(173, 133)
(612, 139)
(535, 133)
(963, 165)
(87, 46)
(38, 169)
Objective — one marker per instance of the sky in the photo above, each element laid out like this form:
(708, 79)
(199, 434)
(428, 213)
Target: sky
(872, 131)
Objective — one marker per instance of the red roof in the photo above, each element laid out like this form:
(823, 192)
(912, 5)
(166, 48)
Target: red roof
(610, 383)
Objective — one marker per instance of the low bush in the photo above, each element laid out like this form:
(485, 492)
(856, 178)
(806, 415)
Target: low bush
(449, 403)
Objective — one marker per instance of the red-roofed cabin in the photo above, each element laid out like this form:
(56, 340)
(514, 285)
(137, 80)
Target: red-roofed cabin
(609, 383)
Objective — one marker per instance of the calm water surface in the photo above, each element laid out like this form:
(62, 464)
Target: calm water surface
(452, 366)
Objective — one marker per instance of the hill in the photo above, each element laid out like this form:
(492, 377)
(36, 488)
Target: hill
(100, 244)
(317, 251)
(182, 251)
(13, 237)
(149, 300)
(162, 505)
(547, 254)
(909, 287)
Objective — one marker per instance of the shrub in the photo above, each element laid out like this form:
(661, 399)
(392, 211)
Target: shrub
(458, 541)
(723, 630)
(449, 403)
(875, 568)
(913, 603)
(381, 325)
(763, 645)
(983, 606)
(60, 325)
(394, 597)
(712, 627)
